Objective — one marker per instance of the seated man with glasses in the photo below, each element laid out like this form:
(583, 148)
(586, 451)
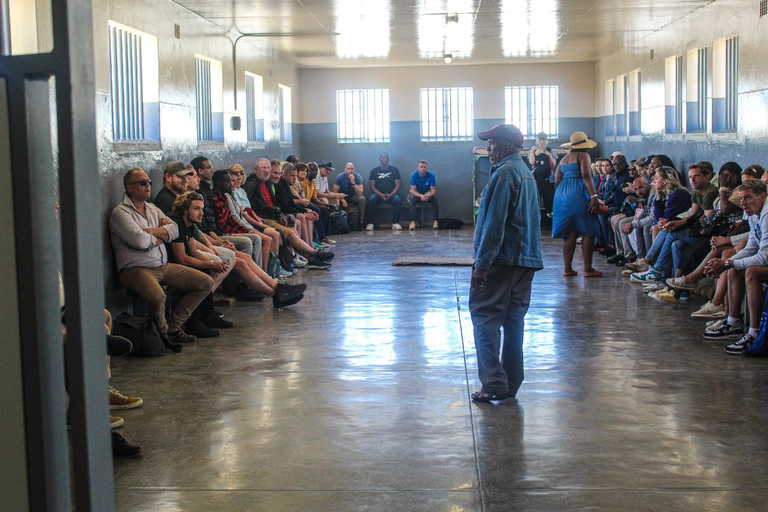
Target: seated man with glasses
(138, 231)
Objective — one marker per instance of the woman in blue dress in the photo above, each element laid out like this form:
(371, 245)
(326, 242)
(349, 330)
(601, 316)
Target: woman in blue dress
(575, 200)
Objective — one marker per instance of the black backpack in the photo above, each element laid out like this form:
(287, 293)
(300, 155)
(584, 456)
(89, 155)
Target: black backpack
(339, 224)
(449, 223)
(143, 334)
(285, 255)
(354, 218)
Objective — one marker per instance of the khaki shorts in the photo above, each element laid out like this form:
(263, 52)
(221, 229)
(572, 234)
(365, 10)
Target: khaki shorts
(285, 230)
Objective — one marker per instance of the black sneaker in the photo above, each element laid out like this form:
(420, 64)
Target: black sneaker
(608, 252)
(123, 449)
(725, 331)
(279, 304)
(217, 322)
(615, 259)
(285, 292)
(248, 295)
(198, 329)
(621, 262)
(325, 256)
(317, 264)
(740, 346)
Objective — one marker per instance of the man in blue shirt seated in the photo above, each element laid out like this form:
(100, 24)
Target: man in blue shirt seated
(423, 190)
(350, 184)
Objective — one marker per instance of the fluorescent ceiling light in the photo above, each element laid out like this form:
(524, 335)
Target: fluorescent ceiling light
(446, 26)
(529, 28)
(363, 27)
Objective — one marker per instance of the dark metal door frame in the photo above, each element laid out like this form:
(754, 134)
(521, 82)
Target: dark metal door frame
(46, 132)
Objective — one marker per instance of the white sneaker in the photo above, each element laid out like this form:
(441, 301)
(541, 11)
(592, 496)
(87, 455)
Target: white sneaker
(369, 227)
(300, 261)
(715, 324)
(653, 287)
(397, 227)
(412, 226)
(709, 310)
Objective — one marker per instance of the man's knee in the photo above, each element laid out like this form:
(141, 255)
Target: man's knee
(203, 282)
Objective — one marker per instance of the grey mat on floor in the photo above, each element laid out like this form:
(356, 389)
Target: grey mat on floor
(425, 261)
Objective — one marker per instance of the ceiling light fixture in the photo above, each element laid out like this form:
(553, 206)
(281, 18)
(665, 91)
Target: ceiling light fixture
(451, 18)
(448, 58)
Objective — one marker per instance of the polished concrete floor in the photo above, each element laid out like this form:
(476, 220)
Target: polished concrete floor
(358, 399)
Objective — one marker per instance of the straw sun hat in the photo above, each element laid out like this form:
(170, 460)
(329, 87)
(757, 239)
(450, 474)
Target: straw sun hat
(579, 140)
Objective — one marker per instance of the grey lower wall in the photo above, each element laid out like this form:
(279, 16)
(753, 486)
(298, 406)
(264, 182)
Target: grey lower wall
(451, 162)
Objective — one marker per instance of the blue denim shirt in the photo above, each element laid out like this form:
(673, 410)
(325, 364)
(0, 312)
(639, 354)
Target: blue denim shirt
(507, 229)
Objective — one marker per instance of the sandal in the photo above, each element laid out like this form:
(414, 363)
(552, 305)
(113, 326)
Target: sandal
(594, 273)
(570, 273)
(482, 396)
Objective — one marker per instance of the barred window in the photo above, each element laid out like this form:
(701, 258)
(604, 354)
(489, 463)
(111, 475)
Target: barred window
(133, 66)
(634, 102)
(610, 107)
(208, 87)
(533, 109)
(622, 105)
(284, 113)
(254, 107)
(362, 115)
(725, 85)
(696, 92)
(673, 85)
(446, 114)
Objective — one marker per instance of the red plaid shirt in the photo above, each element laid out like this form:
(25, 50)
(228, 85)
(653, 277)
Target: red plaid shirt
(224, 217)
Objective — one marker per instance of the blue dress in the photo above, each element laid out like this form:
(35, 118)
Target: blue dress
(570, 209)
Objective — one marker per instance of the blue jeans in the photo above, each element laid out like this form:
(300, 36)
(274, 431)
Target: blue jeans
(655, 249)
(396, 201)
(674, 244)
(683, 244)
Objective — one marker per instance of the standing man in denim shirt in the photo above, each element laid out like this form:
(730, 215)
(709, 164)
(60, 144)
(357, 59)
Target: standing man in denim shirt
(507, 254)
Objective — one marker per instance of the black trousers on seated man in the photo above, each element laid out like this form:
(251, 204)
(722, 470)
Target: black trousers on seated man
(502, 302)
(416, 201)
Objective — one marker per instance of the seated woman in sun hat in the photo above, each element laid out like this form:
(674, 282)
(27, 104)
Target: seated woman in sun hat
(575, 202)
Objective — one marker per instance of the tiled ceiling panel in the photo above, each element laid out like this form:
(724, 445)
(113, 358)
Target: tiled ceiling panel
(356, 33)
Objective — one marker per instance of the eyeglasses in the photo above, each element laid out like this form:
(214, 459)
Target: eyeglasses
(143, 183)
(237, 173)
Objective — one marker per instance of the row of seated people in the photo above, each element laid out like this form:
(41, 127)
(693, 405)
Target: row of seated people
(200, 227)
(196, 231)
(669, 239)
(384, 183)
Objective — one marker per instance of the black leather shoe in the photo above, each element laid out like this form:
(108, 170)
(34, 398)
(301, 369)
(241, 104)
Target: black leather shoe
(118, 346)
(613, 259)
(123, 449)
(217, 322)
(200, 330)
(181, 337)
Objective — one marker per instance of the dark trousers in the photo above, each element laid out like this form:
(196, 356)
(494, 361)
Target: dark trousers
(396, 201)
(546, 191)
(320, 223)
(415, 201)
(503, 301)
